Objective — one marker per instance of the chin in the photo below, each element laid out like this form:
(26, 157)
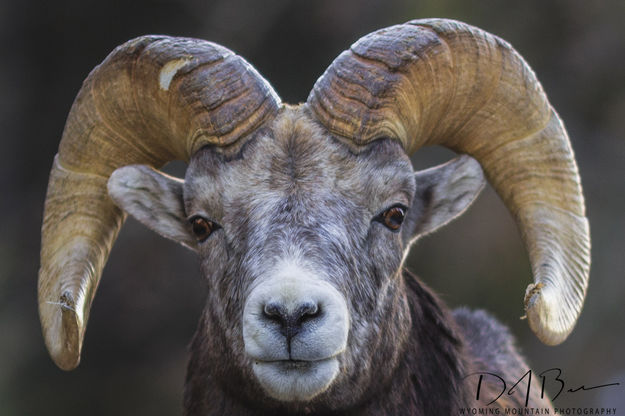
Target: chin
(296, 381)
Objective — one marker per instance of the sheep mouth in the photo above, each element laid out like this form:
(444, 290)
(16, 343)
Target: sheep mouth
(296, 380)
(293, 364)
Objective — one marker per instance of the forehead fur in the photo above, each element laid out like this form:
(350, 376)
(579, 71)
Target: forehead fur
(296, 163)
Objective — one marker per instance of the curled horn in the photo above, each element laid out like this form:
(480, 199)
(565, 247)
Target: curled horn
(439, 81)
(154, 99)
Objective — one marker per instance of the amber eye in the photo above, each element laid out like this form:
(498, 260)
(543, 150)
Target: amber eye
(393, 217)
(202, 228)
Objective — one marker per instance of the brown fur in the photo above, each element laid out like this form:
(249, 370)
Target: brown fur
(294, 191)
(427, 378)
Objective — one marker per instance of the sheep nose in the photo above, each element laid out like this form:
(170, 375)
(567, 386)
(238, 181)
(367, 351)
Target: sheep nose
(291, 320)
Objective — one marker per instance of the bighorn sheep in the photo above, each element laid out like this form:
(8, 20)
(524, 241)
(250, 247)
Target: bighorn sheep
(302, 215)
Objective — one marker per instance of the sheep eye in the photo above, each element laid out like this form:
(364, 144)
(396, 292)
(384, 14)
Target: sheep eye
(202, 228)
(393, 217)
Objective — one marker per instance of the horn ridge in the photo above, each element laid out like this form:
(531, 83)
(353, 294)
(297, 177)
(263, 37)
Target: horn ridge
(439, 81)
(152, 100)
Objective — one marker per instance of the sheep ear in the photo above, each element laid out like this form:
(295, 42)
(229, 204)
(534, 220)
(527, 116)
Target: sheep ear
(443, 193)
(154, 199)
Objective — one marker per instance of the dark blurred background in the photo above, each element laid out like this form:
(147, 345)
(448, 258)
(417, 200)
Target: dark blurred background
(151, 293)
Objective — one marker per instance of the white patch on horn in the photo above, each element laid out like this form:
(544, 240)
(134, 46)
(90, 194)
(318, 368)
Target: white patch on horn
(169, 71)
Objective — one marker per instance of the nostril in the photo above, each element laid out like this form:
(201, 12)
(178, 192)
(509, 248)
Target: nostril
(290, 322)
(306, 312)
(275, 312)
(289, 319)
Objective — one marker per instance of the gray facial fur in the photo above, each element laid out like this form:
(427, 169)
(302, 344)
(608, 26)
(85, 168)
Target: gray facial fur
(297, 197)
